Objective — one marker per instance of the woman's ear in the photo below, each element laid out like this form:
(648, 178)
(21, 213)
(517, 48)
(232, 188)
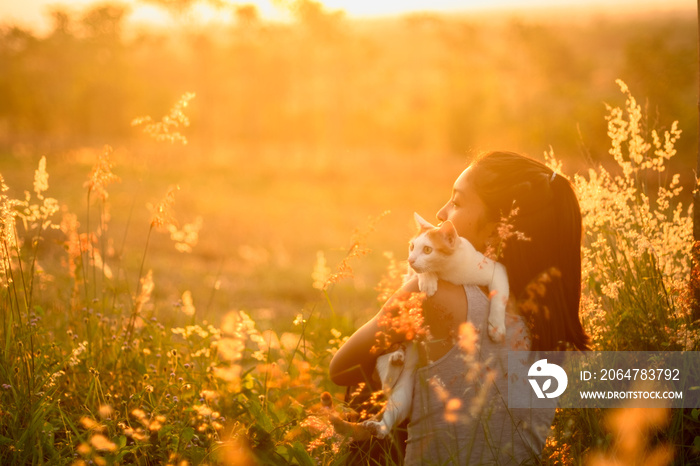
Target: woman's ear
(489, 231)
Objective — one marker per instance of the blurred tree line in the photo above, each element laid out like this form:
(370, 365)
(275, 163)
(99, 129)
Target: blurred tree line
(420, 83)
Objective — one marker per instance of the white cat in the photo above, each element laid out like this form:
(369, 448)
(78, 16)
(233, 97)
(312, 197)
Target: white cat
(440, 253)
(437, 253)
(396, 370)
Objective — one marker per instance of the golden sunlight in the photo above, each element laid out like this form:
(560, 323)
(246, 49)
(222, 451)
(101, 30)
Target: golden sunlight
(149, 15)
(35, 14)
(373, 8)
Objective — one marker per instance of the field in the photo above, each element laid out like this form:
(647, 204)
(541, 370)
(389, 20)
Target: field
(173, 292)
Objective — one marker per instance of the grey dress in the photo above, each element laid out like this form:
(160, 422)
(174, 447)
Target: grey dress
(460, 412)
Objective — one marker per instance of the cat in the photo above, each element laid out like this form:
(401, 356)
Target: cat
(440, 253)
(436, 253)
(395, 369)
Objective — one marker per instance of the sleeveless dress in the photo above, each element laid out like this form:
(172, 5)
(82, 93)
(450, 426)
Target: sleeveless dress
(460, 411)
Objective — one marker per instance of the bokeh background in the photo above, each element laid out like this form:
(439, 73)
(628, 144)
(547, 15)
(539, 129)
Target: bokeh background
(309, 122)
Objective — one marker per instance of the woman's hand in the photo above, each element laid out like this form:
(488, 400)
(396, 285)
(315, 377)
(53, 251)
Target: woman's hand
(354, 362)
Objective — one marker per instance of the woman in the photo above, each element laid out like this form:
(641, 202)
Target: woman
(459, 413)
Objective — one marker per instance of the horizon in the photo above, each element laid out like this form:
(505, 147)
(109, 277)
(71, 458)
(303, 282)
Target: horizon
(34, 15)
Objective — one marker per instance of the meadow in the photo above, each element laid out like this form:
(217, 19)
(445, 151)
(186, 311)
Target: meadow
(174, 286)
(102, 365)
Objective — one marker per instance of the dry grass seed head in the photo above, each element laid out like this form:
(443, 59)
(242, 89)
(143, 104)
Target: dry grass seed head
(102, 175)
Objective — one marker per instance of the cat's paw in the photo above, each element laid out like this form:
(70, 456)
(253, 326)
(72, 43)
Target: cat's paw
(428, 283)
(378, 429)
(497, 332)
(397, 358)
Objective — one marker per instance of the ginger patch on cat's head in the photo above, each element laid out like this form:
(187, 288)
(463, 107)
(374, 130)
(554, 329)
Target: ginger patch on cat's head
(441, 240)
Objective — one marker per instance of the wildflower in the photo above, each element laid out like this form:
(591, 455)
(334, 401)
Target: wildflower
(102, 443)
(230, 349)
(101, 174)
(236, 451)
(53, 379)
(406, 319)
(238, 324)
(479, 401)
(74, 359)
(321, 272)
(231, 374)
(505, 231)
(187, 304)
(357, 249)
(156, 424)
(89, 423)
(162, 215)
(210, 396)
(451, 408)
(139, 414)
(145, 291)
(7, 218)
(392, 278)
(190, 330)
(167, 128)
(186, 238)
(289, 341)
(35, 215)
(633, 430)
(202, 410)
(105, 411)
(439, 388)
(84, 449)
(41, 179)
(468, 338)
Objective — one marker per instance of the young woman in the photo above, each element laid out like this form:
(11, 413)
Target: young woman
(459, 412)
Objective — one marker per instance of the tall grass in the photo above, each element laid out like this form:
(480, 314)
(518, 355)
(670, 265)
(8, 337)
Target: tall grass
(89, 373)
(636, 274)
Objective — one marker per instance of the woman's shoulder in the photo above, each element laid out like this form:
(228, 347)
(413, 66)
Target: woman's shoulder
(448, 295)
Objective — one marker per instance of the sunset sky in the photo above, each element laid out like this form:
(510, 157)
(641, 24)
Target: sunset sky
(34, 13)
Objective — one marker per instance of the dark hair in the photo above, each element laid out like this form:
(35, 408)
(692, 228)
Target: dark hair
(544, 269)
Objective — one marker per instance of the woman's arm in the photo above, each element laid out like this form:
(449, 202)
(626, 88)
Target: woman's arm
(354, 362)
(442, 314)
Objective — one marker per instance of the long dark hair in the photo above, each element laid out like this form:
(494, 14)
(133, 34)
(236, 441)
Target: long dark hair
(544, 268)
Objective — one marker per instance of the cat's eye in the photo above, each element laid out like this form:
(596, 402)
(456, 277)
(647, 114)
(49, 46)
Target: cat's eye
(427, 249)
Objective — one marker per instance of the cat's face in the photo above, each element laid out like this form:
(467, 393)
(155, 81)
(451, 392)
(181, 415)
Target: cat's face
(432, 246)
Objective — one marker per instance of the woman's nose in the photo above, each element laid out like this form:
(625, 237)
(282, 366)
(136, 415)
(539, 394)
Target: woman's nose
(442, 213)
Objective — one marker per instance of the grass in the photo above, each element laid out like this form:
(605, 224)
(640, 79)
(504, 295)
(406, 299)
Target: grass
(119, 349)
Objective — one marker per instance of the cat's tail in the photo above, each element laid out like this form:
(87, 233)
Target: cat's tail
(355, 430)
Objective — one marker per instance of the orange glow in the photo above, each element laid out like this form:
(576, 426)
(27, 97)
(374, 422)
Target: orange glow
(35, 14)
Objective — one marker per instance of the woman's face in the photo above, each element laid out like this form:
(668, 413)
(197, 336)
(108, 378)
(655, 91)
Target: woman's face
(467, 212)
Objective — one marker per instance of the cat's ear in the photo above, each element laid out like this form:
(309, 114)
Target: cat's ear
(421, 223)
(449, 232)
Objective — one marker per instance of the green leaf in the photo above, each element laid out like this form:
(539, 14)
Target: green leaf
(299, 453)
(165, 432)
(695, 413)
(186, 436)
